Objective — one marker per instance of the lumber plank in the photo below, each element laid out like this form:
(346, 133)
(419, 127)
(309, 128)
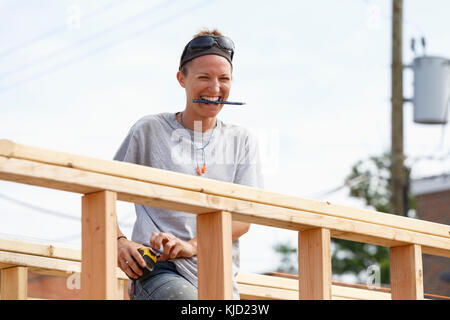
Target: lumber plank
(214, 257)
(84, 182)
(314, 264)
(348, 293)
(38, 249)
(45, 265)
(406, 273)
(14, 284)
(256, 286)
(11, 149)
(75, 180)
(99, 246)
(253, 292)
(268, 281)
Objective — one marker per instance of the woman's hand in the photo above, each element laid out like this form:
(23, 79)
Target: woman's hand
(173, 247)
(128, 255)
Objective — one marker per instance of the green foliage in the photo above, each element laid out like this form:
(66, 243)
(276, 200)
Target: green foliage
(354, 258)
(368, 180)
(288, 261)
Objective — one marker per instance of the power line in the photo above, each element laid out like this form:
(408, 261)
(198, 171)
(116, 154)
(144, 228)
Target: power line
(57, 30)
(101, 48)
(348, 183)
(89, 38)
(48, 211)
(31, 238)
(40, 209)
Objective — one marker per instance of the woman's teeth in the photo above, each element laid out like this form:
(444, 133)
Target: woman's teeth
(210, 98)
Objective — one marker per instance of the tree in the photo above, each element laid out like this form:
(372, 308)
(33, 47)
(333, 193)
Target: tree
(369, 180)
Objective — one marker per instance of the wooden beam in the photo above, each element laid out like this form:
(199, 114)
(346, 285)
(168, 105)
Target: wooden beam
(196, 202)
(214, 256)
(278, 287)
(99, 246)
(14, 284)
(39, 249)
(10, 149)
(406, 273)
(314, 264)
(44, 265)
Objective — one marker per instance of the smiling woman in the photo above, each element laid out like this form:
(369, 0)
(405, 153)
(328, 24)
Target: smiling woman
(209, 78)
(194, 142)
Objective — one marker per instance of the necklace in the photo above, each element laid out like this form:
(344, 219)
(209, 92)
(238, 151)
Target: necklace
(203, 169)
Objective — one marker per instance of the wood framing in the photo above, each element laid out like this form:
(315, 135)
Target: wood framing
(102, 182)
(11, 149)
(99, 246)
(75, 180)
(214, 256)
(14, 284)
(45, 265)
(314, 264)
(251, 286)
(38, 249)
(406, 273)
(262, 287)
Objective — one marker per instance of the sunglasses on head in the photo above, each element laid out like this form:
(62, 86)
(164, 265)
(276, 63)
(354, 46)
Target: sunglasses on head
(207, 42)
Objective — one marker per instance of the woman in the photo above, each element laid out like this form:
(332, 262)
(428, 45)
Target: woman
(193, 142)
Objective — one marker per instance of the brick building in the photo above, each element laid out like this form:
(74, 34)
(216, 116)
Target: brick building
(433, 204)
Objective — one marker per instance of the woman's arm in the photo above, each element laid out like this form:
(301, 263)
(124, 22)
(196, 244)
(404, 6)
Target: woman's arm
(176, 248)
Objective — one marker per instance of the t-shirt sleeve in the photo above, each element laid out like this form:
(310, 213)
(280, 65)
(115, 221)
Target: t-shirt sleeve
(248, 171)
(129, 150)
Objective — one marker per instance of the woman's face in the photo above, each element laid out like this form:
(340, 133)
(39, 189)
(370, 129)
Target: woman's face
(208, 77)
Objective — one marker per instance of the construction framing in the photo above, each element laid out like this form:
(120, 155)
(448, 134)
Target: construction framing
(216, 204)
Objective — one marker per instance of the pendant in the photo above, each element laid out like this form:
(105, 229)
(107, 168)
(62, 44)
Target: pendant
(201, 171)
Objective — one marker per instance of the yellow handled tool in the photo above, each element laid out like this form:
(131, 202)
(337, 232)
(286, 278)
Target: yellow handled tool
(150, 259)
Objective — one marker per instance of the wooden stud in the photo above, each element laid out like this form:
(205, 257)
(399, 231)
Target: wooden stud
(99, 246)
(121, 286)
(314, 264)
(406, 272)
(14, 285)
(214, 256)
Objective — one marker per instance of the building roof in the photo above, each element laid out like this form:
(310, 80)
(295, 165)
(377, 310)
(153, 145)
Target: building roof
(430, 184)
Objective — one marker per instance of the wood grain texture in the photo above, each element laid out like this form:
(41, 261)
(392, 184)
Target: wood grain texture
(14, 284)
(314, 264)
(214, 256)
(406, 273)
(99, 246)
(75, 180)
(44, 265)
(264, 287)
(38, 249)
(12, 149)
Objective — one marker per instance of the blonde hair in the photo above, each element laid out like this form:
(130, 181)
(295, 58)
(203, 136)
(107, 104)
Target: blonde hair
(207, 32)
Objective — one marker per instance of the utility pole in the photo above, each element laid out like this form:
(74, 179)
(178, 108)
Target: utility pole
(398, 175)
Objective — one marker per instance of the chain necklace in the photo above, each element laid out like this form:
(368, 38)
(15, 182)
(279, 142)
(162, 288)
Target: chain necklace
(203, 169)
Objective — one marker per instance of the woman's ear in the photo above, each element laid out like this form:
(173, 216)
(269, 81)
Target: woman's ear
(180, 79)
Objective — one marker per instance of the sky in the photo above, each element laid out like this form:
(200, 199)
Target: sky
(75, 75)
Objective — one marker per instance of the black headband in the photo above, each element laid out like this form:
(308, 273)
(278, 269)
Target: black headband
(190, 54)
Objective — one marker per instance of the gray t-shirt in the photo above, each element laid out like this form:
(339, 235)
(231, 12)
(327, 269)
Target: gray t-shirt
(159, 141)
